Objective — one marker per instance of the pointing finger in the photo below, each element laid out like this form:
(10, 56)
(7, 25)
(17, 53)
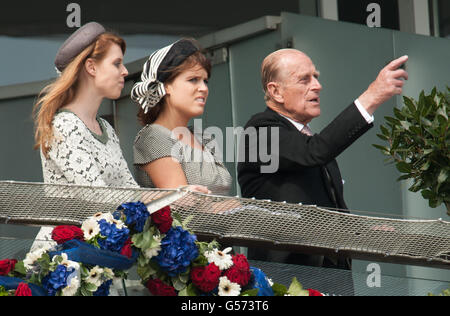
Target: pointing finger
(395, 64)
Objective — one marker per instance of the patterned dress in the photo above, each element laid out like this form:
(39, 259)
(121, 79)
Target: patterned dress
(201, 167)
(79, 156)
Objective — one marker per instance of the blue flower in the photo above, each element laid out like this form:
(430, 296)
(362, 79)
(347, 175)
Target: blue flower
(103, 289)
(259, 281)
(114, 238)
(178, 250)
(57, 279)
(136, 214)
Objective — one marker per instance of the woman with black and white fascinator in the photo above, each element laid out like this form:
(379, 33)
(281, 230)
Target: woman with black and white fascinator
(173, 90)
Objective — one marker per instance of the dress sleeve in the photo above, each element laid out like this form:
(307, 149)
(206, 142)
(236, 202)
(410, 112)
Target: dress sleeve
(153, 143)
(70, 152)
(124, 173)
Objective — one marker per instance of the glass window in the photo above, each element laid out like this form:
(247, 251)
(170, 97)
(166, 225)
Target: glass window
(443, 8)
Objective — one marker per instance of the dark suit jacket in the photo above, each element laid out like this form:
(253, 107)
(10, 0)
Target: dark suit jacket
(308, 172)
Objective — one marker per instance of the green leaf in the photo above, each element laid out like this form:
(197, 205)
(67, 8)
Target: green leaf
(383, 137)
(145, 272)
(138, 240)
(421, 103)
(383, 149)
(84, 272)
(404, 177)
(409, 104)
(403, 167)
(392, 120)
(20, 268)
(427, 194)
(279, 289)
(443, 176)
(296, 289)
(425, 166)
(85, 291)
(185, 276)
(178, 284)
(90, 287)
(426, 122)
(398, 114)
(406, 125)
(385, 131)
(188, 291)
(186, 222)
(441, 112)
(252, 292)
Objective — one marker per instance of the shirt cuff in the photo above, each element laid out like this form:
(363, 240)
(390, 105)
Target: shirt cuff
(369, 118)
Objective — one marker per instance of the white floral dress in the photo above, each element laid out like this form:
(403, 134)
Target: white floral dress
(78, 156)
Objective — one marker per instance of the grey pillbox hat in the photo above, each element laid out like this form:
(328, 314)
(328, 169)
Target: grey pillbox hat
(76, 43)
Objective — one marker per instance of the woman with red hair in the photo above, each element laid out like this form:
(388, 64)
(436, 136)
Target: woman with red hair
(77, 146)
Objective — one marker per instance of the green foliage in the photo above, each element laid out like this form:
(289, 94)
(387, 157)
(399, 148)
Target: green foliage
(4, 292)
(418, 139)
(444, 293)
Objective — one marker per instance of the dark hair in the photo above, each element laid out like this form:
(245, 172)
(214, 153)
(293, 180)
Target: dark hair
(198, 58)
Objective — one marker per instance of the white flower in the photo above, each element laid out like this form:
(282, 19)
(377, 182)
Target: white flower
(95, 276)
(90, 228)
(35, 255)
(108, 274)
(119, 224)
(108, 217)
(220, 258)
(66, 262)
(72, 287)
(154, 251)
(228, 288)
(30, 259)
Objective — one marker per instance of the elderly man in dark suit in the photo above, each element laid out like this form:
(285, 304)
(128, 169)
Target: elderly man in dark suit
(307, 170)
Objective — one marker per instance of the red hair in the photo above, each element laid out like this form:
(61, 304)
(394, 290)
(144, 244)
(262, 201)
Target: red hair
(62, 91)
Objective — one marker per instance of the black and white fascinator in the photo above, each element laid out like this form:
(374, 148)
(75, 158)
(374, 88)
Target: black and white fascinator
(150, 90)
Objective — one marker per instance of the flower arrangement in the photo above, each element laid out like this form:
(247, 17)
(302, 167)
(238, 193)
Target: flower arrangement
(84, 262)
(173, 262)
(170, 260)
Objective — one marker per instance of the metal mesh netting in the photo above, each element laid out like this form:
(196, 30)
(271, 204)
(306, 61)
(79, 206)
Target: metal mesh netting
(242, 222)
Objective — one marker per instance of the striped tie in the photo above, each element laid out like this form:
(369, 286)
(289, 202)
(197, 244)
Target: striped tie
(307, 131)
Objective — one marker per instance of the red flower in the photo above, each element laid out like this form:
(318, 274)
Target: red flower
(6, 266)
(163, 219)
(23, 290)
(159, 288)
(240, 272)
(62, 234)
(206, 278)
(314, 293)
(126, 249)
